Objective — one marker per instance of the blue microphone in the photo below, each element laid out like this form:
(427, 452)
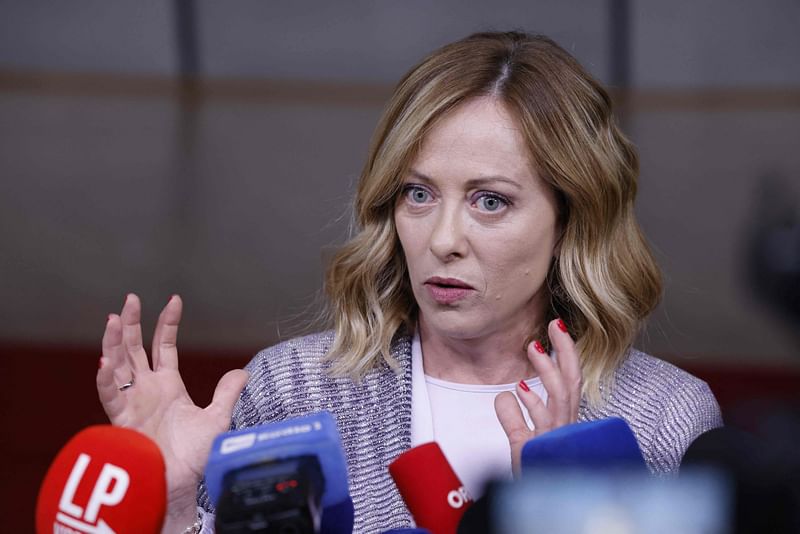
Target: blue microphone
(602, 444)
(289, 476)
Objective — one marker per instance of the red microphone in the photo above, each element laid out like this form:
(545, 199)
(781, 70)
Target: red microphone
(430, 488)
(106, 480)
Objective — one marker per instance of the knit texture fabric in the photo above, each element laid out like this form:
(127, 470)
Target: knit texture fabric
(665, 407)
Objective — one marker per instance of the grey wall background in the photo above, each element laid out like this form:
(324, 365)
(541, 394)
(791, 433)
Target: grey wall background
(112, 180)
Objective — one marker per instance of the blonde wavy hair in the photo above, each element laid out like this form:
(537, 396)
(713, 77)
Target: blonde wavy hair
(603, 281)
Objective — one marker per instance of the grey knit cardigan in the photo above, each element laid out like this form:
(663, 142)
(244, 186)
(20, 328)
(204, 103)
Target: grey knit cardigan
(666, 408)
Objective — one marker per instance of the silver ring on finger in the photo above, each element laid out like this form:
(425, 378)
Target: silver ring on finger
(128, 385)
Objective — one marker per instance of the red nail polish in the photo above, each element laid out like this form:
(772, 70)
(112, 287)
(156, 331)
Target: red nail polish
(561, 325)
(539, 348)
(524, 386)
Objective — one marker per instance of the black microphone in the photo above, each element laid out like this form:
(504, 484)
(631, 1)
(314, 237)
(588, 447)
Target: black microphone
(764, 477)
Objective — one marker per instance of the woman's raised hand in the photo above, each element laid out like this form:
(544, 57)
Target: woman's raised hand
(561, 380)
(154, 400)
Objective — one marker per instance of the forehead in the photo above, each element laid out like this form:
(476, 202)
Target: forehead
(480, 137)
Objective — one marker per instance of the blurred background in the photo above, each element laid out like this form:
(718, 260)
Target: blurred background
(211, 149)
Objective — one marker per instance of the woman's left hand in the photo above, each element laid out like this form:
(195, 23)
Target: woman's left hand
(561, 379)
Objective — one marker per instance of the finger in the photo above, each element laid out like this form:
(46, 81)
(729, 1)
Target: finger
(114, 351)
(165, 339)
(513, 422)
(132, 333)
(550, 374)
(540, 415)
(107, 389)
(226, 394)
(111, 397)
(510, 416)
(569, 363)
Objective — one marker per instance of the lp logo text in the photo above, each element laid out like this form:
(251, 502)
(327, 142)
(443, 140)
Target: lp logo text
(111, 478)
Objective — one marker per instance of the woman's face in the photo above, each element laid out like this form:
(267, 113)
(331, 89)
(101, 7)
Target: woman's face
(477, 225)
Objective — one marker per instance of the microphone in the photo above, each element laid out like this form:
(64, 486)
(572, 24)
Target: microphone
(602, 444)
(590, 448)
(762, 472)
(430, 488)
(289, 476)
(105, 480)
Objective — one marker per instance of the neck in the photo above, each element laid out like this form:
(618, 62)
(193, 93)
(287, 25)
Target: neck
(497, 358)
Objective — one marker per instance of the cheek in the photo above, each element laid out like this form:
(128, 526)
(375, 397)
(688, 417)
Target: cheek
(409, 238)
(520, 261)
(401, 226)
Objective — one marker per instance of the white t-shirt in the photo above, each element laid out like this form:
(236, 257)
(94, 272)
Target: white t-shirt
(462, 420)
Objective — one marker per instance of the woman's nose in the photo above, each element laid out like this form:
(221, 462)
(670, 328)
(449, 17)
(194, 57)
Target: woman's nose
(447, 239)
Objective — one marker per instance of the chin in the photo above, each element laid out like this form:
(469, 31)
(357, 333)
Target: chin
(455, 323)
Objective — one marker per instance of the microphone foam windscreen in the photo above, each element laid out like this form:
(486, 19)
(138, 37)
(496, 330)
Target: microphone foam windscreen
(430, 488)
(106, 479)
(605, 443)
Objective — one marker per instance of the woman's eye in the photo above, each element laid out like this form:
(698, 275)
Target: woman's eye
(417, 195)
(491, 202)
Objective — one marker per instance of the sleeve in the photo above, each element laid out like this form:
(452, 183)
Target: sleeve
(691, 411)
(208, 521)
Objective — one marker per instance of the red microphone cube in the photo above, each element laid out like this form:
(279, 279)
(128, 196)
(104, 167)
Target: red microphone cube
(430, 488)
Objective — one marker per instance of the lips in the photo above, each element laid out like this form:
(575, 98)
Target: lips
(448, 282)
(447, 290)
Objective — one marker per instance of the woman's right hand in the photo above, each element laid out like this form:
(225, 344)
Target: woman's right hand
(158, 405)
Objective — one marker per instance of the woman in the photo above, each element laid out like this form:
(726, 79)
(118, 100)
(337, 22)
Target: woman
(491, 293)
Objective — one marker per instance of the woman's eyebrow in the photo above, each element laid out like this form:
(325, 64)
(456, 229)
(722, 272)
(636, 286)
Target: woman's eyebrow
(420, 176)
(488, 180)
(474, 182)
